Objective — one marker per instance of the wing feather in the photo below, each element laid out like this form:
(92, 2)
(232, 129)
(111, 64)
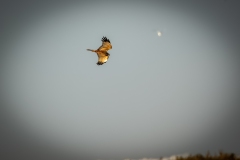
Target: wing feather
(106, 45)
(102, 57)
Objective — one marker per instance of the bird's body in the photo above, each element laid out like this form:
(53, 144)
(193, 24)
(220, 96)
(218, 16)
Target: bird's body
(102, 53)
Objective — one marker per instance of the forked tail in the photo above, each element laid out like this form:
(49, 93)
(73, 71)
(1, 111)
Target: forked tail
(90, 50)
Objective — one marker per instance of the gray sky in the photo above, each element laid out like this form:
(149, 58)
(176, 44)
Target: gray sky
(156, 96)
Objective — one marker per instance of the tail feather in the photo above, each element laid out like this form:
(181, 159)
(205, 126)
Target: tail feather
(90, 50)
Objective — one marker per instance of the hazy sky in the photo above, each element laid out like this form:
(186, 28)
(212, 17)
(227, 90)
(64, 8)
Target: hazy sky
(156, 96)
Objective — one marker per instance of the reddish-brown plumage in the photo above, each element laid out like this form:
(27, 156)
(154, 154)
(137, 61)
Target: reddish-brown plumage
(102, 53)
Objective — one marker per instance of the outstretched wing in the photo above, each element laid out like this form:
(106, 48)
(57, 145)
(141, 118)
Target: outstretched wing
(102, 57)
(106, 45)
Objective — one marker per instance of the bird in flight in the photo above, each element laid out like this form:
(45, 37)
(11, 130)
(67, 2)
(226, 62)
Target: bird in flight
(102, 53)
